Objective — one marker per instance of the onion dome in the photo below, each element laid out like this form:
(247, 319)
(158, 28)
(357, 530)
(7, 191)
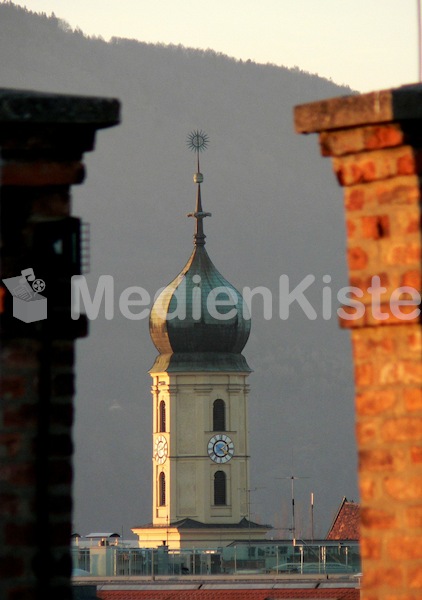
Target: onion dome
(199, 321)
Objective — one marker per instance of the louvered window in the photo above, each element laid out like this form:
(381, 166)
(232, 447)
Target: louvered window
(162, 416)
(219, 488)
(162, 489)
(219, 415)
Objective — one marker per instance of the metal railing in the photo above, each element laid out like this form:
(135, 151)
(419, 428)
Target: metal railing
(121, 559)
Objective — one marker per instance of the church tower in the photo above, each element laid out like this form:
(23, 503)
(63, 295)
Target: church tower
(200, 325)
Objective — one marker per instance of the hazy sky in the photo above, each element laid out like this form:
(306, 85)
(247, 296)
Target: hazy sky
(366, 44)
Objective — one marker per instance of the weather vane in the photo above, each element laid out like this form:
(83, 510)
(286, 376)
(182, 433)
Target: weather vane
(198, 141)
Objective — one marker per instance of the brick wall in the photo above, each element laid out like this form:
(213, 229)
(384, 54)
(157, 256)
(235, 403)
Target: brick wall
(375, 141)
(42, 141)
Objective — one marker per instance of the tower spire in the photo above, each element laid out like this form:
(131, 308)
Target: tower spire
(198, 141)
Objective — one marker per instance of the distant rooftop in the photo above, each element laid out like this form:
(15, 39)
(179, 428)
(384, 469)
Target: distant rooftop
(345, 525)
(232, 590)
(102, 535)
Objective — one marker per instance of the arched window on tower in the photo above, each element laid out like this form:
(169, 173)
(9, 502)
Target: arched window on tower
(219, 415)
(162, 416)
(219, 488)
(161, 489)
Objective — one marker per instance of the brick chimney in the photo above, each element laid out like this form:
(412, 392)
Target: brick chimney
(375, 141)
(42, 141)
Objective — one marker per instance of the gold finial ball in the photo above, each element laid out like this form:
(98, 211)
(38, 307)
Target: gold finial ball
(198, 178)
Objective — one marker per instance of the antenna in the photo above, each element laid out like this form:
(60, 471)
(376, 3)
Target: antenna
(248, 505)
(292, 479)
(312, 517)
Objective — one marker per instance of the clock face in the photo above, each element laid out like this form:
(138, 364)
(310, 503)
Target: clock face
(160, 450)
(220, 448)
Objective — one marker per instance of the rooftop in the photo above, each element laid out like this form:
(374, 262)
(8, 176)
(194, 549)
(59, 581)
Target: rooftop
(264, 589)
(345, 525)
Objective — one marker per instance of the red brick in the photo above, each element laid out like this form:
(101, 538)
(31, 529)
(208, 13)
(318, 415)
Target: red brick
(11, 566)
(402, 254)
(10, 504)
(403, 372)
(398, 596)
(351, 321)
(379, 164)
(42, 173)
(364, 374)
(403, 488)
(391, 577)
(413, 224)
(12, 386)
(366, 432)
(393, 313)
(415, 576)
(365, 347)
(19, 534)
(413, 399)
(370, 547)
(26, 414)
(10, 444)
(399, 191)
(367, 488)
(376, 460)
(357, 258)
(409, 163)
(416, 454)
(356, 139)
(375, 226)
(405, 547)
(374, 402)
(18, 474)
(354, 198)
(383, 136)
(360, 347)
(414, 516)
(374, 518)
(388, 373)
(24, 592)
(412, 278)
(401, 429)
(35, 189)
(412, 372)
(414, 339)
(21, 355)
(364, 595)
(3, 294)
(351, 228)
(53, 203)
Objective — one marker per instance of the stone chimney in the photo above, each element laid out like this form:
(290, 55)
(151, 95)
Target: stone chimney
(375, 141)
(42, 141)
